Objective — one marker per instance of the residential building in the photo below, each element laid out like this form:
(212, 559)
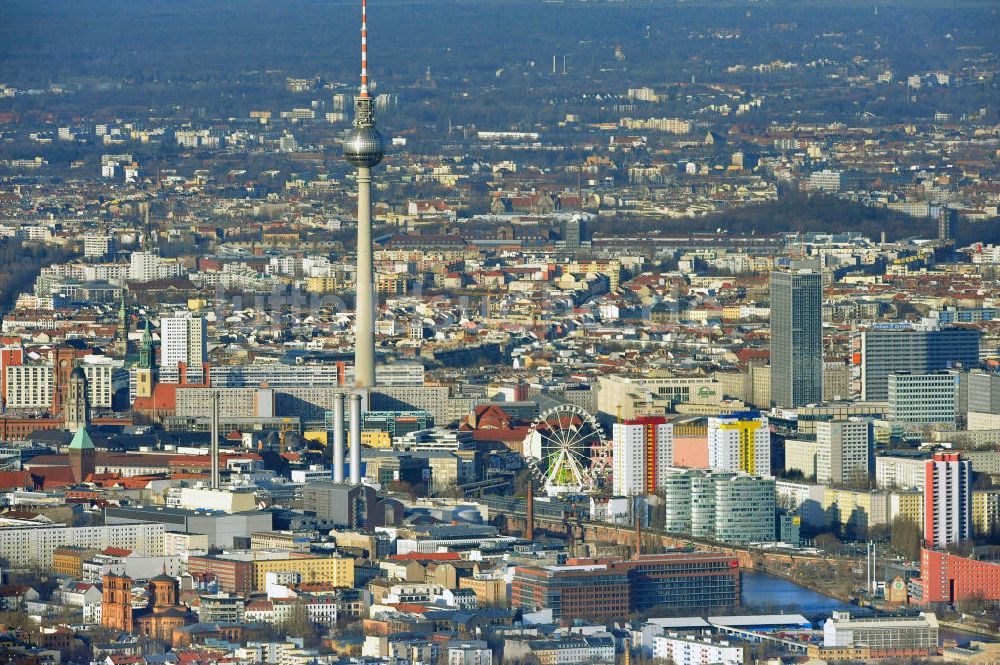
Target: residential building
(845, 451)
(221, 607)
(949, 578)
(895, 471)
(183, 340)
(469, 652)
(642, 454)
(985, 511)
(33, 546)
(740, 442)
(695, 650)
(947, 499)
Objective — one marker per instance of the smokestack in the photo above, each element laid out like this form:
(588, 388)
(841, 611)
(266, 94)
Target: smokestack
(338, 438)
(638, 528)
(529, 532)
(355, 438)
(213, 448)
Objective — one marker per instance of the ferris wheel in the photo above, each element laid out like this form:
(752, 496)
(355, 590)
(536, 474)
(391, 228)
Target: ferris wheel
(567, 450)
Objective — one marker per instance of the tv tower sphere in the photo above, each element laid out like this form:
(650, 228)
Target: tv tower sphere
(364, 146)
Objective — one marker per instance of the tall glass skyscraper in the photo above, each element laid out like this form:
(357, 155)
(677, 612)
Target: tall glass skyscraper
(796, 337)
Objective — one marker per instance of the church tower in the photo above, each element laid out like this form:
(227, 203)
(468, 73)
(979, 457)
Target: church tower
(121, 331)
(146, 370)
(116, 603)
(76, 409)
(82, 456)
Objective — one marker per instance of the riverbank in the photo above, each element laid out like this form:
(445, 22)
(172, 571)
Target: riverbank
(969, 628)
(779, 593)
(821, 589)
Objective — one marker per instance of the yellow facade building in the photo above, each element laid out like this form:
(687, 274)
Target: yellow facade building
(985, 510)
(313, 569)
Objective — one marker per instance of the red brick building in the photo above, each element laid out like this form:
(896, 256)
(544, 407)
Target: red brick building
(233, 576)
(946, 578)
(606, 589)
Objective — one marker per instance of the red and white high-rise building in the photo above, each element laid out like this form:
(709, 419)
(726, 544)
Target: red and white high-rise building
(947, 500)
(643, 452)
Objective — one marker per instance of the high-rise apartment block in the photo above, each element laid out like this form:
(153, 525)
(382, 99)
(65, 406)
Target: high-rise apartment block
(643, 452)
(183, 340)
(844, 454)
(947, 500)
(740, 442)
(892, 348)
(796, 337)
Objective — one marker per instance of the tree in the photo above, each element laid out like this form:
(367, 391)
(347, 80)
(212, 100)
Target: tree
(904, 537)
(974, 603)
(298, 624)
(828, 542)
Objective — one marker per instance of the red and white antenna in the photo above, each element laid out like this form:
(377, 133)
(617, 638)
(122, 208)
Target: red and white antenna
(364, 48)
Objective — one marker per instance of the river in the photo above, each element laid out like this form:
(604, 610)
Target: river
(776, 594)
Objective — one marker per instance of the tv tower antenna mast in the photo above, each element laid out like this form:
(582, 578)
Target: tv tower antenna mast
(364, 148)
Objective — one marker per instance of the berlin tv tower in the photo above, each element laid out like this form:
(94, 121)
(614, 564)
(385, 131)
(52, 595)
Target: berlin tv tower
(364, 148)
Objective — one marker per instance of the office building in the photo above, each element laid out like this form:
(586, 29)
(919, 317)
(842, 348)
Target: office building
(947, 500)
(183, 340)
(596, 591)
(984, 392)
(397, 424)
(352, 506)
(796, 338)
(883, 636)
(740, 442)
(744, 509)
(923, 398)
(606, 589)
(882, 350)
(642, 454)
(845, 451)
(220, 528)
(728, 507)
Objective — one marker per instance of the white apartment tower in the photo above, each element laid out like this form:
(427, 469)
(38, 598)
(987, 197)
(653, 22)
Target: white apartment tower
(643, 452)
(740, 442)
(183, 340)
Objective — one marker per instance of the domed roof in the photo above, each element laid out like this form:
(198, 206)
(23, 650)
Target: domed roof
(78, 373)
